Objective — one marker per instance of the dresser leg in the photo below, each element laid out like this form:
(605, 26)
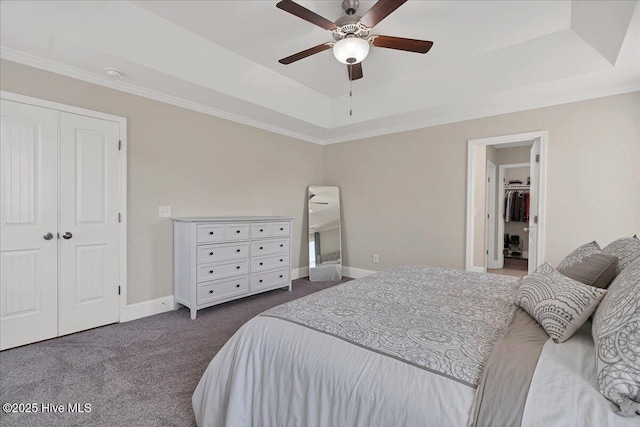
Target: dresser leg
(193, 313)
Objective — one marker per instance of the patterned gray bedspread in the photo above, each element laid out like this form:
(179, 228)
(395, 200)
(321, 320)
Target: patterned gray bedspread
(441, 320)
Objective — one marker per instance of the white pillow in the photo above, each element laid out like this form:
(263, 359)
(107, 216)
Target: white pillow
(616, 334)
(558, 303)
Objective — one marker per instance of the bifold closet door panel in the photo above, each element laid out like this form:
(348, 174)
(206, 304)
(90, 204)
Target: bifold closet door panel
(89, 229)
(28, 224)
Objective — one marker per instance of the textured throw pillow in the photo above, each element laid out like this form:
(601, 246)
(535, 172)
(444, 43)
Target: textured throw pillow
(589, 265)
(616, 334)
(626, 249)
(558, 303)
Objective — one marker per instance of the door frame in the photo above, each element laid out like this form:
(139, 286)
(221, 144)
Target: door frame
(490, 209)
(536, 136)
(122, 122)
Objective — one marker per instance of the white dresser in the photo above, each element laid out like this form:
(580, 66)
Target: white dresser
(219, 259)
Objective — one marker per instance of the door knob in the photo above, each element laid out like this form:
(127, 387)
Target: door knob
(526, 229)
(67, 235)
(48, 236)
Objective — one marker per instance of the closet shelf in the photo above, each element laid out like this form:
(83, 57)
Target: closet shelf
(517, 187)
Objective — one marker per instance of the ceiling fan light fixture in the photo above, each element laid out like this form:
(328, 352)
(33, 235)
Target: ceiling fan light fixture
(351, 50)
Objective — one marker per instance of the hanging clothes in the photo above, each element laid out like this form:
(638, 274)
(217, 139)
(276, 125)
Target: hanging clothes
(516, 206)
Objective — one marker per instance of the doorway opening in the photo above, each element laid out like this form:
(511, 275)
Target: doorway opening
(505, 203)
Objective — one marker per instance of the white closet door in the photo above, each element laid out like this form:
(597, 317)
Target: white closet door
(28, 213)
(89, 228)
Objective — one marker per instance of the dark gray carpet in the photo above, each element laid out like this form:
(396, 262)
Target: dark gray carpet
(140, 373)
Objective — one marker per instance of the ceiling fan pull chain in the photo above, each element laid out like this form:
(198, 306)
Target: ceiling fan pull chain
(351, 92)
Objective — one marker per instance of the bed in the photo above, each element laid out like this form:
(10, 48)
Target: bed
(411, 346)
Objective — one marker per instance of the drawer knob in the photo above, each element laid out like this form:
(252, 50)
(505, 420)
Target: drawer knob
(238, 231)
(237, 286)
(282, 246)
(281, 228)
(260, 281)
(210, 253)
(237, 267)
(260, 247)
(210, 271)
(237, 250)
(281, 260)
(211, 291)
(281, 276)
(211, 233)
(260, 263)
(261, 230)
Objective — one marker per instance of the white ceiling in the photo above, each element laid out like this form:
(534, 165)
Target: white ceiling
(221, 58)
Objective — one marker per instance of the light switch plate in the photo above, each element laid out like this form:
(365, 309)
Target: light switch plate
(164, 211)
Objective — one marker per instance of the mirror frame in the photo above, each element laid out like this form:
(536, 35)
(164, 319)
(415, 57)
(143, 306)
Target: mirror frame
(330, 269)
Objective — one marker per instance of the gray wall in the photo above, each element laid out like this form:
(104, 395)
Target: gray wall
(404, 194)
(198, 164)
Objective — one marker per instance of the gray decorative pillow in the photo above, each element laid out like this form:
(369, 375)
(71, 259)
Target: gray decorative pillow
(558, 303)
(616, 334)
(626, 249)
(589, 265)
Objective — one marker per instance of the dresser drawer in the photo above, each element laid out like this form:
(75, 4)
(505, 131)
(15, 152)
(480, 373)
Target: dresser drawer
(269, 279)
(222, 289)
(261, 230)
(269, 263)
(209, 233)
(222, 252)
(236, 232)
(280, 229)
(267, 247)
(220, 270)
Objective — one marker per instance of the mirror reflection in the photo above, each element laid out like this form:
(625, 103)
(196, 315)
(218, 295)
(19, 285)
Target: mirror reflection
(325, 257)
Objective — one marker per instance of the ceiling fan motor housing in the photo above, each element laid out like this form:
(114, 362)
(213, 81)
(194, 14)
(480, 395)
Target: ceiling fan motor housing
(350, 26)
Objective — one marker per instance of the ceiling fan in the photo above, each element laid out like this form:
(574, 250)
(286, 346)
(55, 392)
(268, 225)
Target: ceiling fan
(351, 34)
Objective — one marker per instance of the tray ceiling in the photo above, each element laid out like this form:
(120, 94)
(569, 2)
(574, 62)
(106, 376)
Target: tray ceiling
(221, 58)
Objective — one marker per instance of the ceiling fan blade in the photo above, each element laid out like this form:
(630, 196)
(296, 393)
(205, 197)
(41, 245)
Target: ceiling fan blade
(379, 11)
(410, 45)
(304, 13)
(301, 55)
(355, 71)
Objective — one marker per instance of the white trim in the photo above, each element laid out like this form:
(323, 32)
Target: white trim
(122, 128)
(478, 269)
(352, 272)
(490, 210)
(501, 188)
(146, 308)
(541, 137)
(77, 73)
(29, 100)
(298, 273)
(356, 273)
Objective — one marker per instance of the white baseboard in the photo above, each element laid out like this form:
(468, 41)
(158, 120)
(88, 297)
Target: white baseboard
(297, 273)
(479, 269)
(356, 273)
(146, 308)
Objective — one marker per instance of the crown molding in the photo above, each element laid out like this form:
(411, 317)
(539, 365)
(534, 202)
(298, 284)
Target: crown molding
(490, 112)
(518, 105)
(76, 73)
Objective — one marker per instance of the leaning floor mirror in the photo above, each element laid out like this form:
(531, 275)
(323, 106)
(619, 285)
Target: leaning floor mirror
(325, 252)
